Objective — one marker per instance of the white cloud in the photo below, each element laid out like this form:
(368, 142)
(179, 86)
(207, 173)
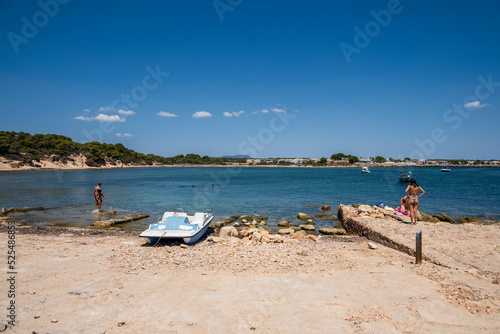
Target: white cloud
(86, 110)
(475, 104)
(123, 135)
(106, 108)
(277, 110)
(166, 114)
(108, 118)
(234, 113)
(126, 112)
(201, 114)
(83, 118)
(265, 111)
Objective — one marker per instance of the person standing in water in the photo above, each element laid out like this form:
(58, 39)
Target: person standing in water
(98, 195)
(412, 192)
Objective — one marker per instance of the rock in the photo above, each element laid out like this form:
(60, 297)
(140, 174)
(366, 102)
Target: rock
(285, 231)
(183, 246)
(256, 236)
(261, 219)
(304, 216)
(321, 215)
(312, 206)
(332, 231)
(263, 223)
(310, 222)
(295, 228)
(247, 217)
(365, 208)
(229, 220)
(307, 227)
(254, 222)
(356, 205)
(472, 219)
(216, 239)
(312, 237)
(372, 245)
(236, 225)
(444, 218)
(290, 240)
(283, 223)
(325, 207)
(216, 225)
(299, 235)
(228, 231)
(120, 220)
(243, 233)
(54, 320)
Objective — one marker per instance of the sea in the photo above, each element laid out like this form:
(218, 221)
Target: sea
(274, 192)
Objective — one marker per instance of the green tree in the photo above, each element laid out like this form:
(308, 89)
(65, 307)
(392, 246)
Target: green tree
(378, 159)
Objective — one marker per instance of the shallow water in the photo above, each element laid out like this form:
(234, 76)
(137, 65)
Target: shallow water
(274, 192)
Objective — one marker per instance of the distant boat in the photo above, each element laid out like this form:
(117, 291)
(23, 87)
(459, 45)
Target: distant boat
(178, 225)
(365, 170)
(404, 176)
(446, 169)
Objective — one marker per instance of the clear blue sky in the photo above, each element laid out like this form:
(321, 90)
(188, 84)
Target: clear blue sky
(271, 78)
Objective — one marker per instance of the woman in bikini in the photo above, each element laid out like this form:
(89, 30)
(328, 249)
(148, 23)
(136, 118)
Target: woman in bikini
(412, 193)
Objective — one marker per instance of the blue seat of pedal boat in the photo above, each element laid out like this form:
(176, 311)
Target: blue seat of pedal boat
(174, 223)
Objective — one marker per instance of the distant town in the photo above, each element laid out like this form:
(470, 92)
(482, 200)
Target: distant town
(347, 160)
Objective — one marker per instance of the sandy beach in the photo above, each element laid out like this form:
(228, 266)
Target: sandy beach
(92, 281)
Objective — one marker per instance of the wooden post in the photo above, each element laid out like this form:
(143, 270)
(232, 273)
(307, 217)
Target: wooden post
(418, 248)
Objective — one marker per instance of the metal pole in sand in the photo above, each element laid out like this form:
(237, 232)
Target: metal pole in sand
(418, 248)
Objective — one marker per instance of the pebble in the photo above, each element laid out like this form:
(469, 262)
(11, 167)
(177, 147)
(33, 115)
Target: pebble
(372, 245)
(54, 320)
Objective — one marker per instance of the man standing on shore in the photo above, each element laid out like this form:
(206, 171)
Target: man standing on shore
(98, 195)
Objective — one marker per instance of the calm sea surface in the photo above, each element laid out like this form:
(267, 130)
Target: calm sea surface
(277, 193)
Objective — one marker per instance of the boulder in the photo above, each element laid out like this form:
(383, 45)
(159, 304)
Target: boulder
(228, 231)
(263, 223)
(243, 233)
(307, 227)
(365, 208)
(332, 231)
(247, 217)
(325, 207)
(310, 222)
(283, 223)
(285, 231)
(304, 216)
(256, 236)
(312, 237)
(295, 228)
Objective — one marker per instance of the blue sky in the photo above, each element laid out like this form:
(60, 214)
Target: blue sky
(416, 79)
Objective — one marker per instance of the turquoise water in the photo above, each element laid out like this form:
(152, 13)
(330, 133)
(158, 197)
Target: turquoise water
(277, 193)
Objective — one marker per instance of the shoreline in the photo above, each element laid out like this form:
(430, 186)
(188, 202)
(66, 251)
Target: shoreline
(26, 168)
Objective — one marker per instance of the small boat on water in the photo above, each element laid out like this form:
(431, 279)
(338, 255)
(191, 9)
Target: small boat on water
(446, 169)
(365, 170)
(404, 176)
(178, 225)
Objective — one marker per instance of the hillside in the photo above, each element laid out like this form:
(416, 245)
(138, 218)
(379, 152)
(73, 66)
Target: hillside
(21, 149)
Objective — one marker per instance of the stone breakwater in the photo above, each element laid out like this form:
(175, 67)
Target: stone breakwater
(467, 247)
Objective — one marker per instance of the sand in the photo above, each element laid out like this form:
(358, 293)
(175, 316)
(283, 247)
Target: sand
(81, 281)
